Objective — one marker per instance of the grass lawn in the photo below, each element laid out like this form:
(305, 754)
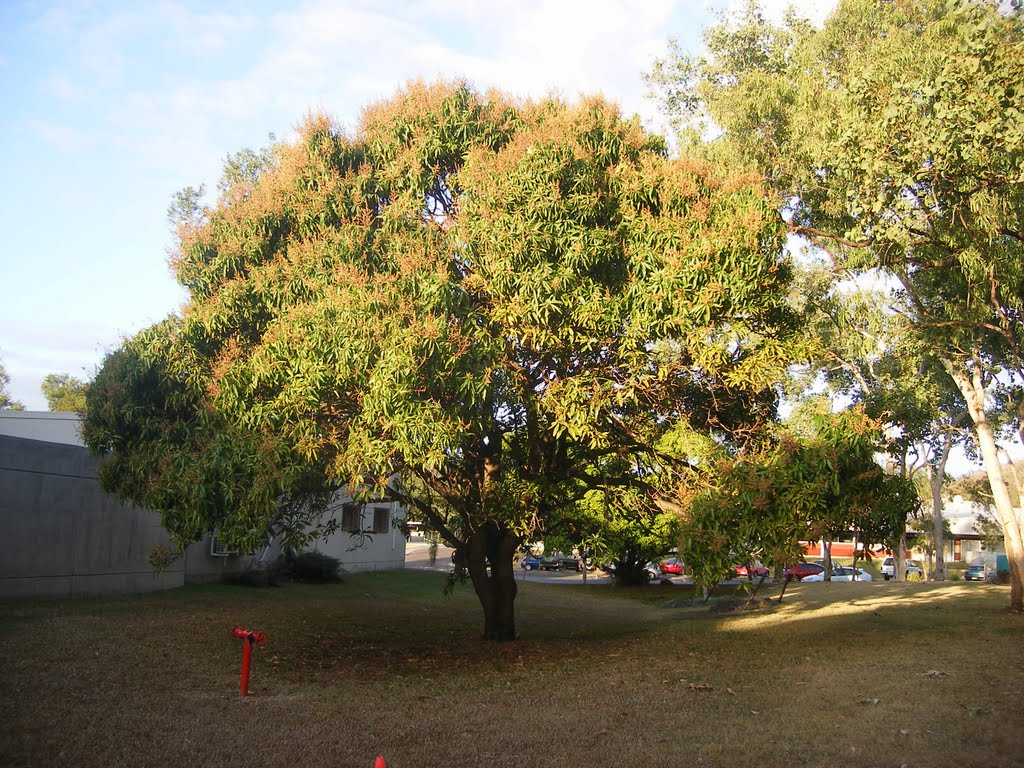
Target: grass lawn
(839, 675)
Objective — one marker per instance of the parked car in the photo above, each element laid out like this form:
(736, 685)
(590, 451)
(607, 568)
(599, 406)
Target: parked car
(652, 572)
(975, 573)
(569, 563)
(530, 563)
(759, 570)
(801, 571)
(672, 566)
(888, 568)
(551, 563)
(843, 573)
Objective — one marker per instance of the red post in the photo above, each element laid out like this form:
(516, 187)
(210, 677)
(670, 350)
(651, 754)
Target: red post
(379, 762)
(249, 638)
(246, 659)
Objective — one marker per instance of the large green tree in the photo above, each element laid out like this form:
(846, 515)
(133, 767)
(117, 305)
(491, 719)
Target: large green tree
(894, 139)
(64, 392)
(818, 484)
(7, 403)
(484, 308)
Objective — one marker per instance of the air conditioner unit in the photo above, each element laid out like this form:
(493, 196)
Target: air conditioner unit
(217, 548)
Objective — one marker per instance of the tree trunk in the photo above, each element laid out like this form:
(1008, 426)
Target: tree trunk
(827, 560)
(899, 556)
(974, 393)
(938, 570)
(856, 540)
(936, 473)
(899, 568)
(489, 561)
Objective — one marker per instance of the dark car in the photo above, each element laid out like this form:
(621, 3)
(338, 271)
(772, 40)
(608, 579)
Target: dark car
(559, 562)
(569, 563)
(800, 570)
(975, 573)
(530, 563)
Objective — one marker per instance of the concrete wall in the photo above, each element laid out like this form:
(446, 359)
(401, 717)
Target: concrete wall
(61, 535)
(49, 426)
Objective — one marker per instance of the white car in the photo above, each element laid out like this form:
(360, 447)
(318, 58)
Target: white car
(888, 568)
(842, 574)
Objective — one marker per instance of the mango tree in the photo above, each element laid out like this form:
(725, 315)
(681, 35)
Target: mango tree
(481, 307)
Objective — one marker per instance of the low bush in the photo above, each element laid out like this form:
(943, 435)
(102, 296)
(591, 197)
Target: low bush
(253, 577)
(311, 567)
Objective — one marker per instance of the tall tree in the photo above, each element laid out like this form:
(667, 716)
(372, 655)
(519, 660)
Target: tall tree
(64, 392)
(7, 403)
(867, 352)
(802, 487)
(483, 308)
(894, 139)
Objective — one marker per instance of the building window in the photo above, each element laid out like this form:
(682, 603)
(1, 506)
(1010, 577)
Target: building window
(381, 519)
(351, 518)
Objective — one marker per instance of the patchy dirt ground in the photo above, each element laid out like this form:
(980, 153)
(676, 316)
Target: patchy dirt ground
(865, 675)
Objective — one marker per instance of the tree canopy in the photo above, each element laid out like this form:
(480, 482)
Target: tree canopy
(7, 403)
(800, 487)
(893, 138)
(64, 392)
(483, 307)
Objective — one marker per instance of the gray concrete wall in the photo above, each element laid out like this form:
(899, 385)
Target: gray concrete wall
(61, 535)
(50, 426)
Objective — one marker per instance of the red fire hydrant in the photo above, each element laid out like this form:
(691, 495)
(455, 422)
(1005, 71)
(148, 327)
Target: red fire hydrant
(249, 638)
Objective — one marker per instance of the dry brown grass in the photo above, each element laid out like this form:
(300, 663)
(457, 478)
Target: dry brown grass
(838, 675)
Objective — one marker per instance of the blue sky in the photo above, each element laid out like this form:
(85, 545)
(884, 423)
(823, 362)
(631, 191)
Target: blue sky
(111, 107)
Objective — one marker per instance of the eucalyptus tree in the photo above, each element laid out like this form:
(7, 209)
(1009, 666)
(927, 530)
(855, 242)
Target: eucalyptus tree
(482, 307)
(867, 352)
(894, 139)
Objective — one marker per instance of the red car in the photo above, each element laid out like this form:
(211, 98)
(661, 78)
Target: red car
(799, 570)
(759, 570)
(673, 565)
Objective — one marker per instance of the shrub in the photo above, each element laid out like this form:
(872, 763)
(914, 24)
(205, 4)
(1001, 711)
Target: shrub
(253, 577)
(312, 567)
(259, 574)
